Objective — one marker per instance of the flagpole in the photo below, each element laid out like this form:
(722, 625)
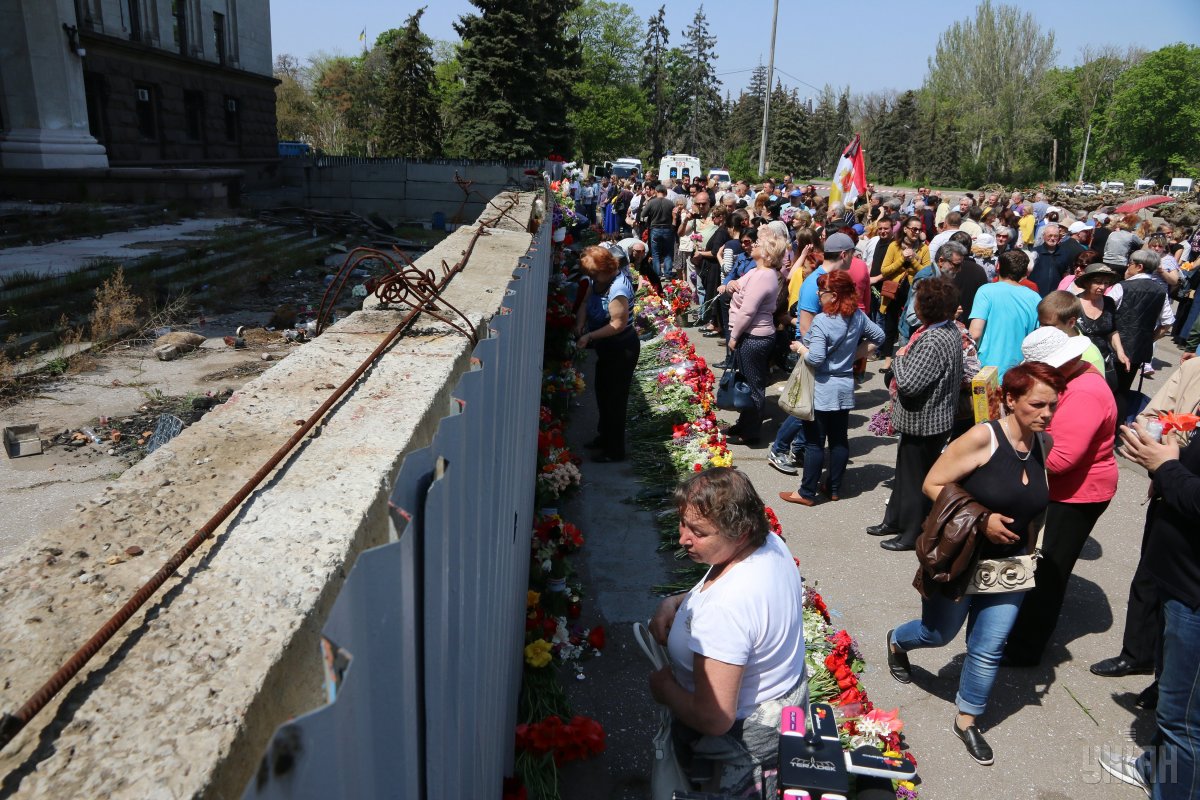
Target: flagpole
(762, 148)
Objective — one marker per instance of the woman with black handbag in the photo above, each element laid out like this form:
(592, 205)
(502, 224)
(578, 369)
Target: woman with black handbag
(1000, 467)
(752, 329)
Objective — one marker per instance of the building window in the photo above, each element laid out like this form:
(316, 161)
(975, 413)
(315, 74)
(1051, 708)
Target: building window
(147, 111)
(232, 121)
(179, 24)
(219, 37)
(135, 19)
(193, 112)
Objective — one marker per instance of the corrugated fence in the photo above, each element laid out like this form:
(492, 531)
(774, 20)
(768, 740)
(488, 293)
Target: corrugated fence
(423, 644)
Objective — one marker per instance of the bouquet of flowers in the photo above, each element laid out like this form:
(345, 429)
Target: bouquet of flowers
(558, 470)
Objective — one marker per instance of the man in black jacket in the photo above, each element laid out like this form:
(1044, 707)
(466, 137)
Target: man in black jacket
(1143, 315)
(1172, 556)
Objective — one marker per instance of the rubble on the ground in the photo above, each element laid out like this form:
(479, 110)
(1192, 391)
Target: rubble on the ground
(128, 438)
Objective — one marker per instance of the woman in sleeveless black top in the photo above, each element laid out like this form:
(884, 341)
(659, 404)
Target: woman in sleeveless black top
(1002, 466)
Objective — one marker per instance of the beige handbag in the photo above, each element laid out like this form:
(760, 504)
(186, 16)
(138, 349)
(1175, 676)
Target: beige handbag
(1012, 574)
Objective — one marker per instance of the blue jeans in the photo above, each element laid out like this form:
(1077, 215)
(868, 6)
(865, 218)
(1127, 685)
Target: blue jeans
(1173, 771)
(834, 426)
(662, 251)
(790, 436)
(989, 618)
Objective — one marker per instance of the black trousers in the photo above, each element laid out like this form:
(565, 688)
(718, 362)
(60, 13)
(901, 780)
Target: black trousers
(1123, 391)
(616, 359)
(908, 506)
(710, 278)
(754, 362)
(891, 321)
(1068, 526)
(1142, 640)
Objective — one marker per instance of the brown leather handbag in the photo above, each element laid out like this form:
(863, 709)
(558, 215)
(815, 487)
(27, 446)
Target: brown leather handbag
(889, 289)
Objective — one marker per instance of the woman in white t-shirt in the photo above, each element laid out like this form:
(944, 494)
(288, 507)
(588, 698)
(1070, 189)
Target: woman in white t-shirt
(736, 640)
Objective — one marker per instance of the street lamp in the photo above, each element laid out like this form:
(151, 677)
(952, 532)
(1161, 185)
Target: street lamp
(762, 148)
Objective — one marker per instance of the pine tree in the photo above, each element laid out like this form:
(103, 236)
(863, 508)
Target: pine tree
(743, 120)
(410, 122)
(518, 86)
(702, 89)
(824, 137)
(654, 82)
(785, 137)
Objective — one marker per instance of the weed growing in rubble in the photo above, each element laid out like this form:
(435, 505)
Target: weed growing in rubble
(115, 308)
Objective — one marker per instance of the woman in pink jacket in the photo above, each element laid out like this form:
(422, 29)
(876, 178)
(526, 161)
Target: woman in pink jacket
(1082, 472)
(752, 328)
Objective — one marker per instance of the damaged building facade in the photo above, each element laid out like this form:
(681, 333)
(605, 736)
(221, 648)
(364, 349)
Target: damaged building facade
(91, 84)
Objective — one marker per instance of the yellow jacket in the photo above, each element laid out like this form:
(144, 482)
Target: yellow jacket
(896, 268)
(1027, 223)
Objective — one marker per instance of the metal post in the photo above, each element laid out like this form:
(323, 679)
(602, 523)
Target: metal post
(762, 148)
(1086, 141)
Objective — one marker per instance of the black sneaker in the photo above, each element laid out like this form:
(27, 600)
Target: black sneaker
(977, 746)
(784, 463)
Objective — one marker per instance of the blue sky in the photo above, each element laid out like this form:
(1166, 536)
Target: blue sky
(896, 38)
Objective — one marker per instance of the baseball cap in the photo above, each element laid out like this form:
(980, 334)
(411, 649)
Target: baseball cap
(1051, 346)
(795, 193)
(986, 241)
(1100, 216)
(1078, 226)
(838, 243)
(1053, 210)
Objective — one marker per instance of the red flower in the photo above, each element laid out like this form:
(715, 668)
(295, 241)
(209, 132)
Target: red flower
(596, 638)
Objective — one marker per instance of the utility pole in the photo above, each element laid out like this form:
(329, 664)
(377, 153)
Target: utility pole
(1054, 161)
(762, 148)
(1086, 142)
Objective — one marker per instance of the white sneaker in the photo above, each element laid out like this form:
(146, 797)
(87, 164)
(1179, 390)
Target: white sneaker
(1124, 768)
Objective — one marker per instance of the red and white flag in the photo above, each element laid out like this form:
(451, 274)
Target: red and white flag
(850, 177)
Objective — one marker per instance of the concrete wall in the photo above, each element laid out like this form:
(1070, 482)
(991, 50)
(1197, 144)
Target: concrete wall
(182, 702)
(393, 187)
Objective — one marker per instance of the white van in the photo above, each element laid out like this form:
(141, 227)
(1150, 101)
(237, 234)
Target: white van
(1180, 186)
(722, 175)
(679, 167)
(1116, 187)
(1144, 185)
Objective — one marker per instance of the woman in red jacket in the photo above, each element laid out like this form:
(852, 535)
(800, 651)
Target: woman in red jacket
(1082, 472)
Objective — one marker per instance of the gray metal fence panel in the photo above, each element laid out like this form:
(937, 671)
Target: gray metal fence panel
(433, 623)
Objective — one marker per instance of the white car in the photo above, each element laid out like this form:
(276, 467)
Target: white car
(1116, 187)
(1086, 189)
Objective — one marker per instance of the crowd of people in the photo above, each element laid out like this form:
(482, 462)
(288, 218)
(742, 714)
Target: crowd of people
(1066, 308)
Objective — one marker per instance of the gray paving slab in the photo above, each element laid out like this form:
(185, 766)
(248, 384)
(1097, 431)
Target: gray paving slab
(70, 255)
(1046, 724)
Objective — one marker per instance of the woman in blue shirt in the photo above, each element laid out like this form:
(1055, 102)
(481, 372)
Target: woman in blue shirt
(830, 347)
(603, 324)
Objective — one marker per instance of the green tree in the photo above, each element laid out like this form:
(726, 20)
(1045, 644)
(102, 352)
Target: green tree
(339, 111)
(1155, 115)
(654, 82)
(518, 88)
(699, 92)
(410, 122)
(293, 101)
(990, 71)
(744, 116)
(611, 118)
(786, 138)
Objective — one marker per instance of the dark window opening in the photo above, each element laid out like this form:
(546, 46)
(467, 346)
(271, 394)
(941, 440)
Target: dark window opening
(95, 92)
(135, 19)
(193, 111)
(179, 14)
(232, 123)
(219, 34)
(147, 112)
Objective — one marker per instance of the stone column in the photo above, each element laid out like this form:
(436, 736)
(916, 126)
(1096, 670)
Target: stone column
(42, 101)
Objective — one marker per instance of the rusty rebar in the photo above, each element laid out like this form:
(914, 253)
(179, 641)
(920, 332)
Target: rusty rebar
(13, 723)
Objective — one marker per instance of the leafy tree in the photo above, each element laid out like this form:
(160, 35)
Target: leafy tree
(293, 101)
(990, 71)
(410, 123)
(1155, 115)
(518, 87)
(654, 82)
(339, 113)
(610, 120)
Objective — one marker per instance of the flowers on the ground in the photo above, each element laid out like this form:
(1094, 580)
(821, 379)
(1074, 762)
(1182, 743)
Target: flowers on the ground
(537, 653)
(564, 741)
